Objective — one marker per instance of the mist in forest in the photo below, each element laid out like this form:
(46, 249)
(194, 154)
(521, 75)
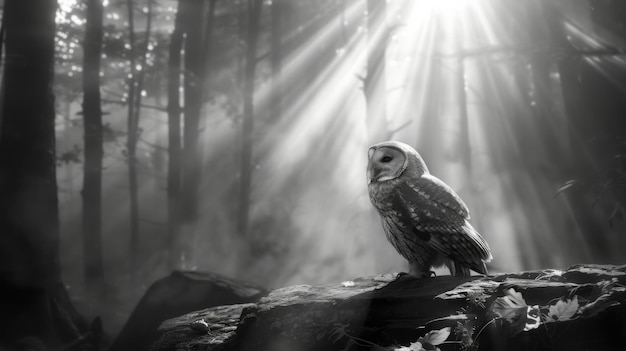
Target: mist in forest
(515, 105)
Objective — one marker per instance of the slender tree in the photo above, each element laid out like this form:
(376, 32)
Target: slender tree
(143, 54)
(195, 66)
(34, 302)
(137, 60)
(196, 49)
(132, 130)
(247, 127)
(92, 175)
(2, 59)
(276, 58)
(174, 134)
(192, 35)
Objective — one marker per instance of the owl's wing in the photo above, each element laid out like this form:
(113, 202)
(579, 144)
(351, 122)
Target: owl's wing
(434, 198)
(458, 242)
(439, 218)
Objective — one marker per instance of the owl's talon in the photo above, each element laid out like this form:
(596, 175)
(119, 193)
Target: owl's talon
(414, 275)
(401, 274)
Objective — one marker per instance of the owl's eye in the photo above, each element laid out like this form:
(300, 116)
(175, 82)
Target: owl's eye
(386, 159)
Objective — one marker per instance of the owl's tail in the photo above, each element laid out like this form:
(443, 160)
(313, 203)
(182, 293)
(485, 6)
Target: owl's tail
(476, 254)
(458, 269)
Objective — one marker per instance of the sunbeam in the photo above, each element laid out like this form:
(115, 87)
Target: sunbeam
(273, 142)
(477, 87)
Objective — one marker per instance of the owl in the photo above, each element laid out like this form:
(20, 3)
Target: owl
(423, 218)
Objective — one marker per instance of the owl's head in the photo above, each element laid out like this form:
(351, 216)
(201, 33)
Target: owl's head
(390, 159)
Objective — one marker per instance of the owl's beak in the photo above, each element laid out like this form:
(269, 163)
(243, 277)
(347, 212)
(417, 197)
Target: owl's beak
(372, 175)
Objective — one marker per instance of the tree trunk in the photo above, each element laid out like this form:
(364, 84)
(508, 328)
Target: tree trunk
(92, 176)
(143, 58)
(254, 11)
(276, 59)
(2, 60)
(375, 86)
(135, 88)
(198, 17)
(585, 94)
(174, 137)
(131, 146)
(34, 302)
(193, 93)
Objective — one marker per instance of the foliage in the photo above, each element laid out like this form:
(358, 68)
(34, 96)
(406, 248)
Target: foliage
(513, 309)
(508, 311)
(428, 341)
(70, 156)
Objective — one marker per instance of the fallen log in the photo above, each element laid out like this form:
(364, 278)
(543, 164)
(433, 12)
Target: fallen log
(582, 307)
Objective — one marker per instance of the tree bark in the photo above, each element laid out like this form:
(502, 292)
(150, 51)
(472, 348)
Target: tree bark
(193, 92)
(135, 88)
(34, 303)
(174, 169)
(92, 176)
(247, 128)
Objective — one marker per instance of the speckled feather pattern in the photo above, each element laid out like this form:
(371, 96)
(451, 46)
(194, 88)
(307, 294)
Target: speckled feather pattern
(427, 223)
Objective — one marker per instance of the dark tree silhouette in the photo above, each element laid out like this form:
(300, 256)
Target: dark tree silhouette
(35, 308)
(276, 50)
(131, 142)
(194, 75)
(595, 105)
(192, 35)
(92, 175)
(137, 56)
(174, 136)
(2, 59)
(254, 11)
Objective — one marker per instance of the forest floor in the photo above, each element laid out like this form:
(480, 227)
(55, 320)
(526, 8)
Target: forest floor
(114, 305)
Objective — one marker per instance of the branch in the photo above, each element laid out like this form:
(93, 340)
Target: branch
(121, 102)
(399, 128)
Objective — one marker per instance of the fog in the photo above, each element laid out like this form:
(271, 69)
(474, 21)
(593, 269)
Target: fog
(462, 88)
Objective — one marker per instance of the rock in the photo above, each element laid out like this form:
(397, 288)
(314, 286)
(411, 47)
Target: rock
(582, 307)
(177, 294)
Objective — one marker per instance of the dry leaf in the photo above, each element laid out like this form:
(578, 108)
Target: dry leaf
(513, 308)
(435, 337)
(563, 310)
